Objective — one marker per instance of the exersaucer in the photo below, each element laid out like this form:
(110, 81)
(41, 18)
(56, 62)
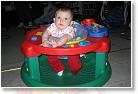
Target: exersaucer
(36, 72)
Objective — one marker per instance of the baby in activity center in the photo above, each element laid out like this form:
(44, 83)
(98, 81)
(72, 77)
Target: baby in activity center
(58, 34)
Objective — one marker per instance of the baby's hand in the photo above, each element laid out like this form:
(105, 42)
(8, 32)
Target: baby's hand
(53, 43)
(50, 43)
(45, 44)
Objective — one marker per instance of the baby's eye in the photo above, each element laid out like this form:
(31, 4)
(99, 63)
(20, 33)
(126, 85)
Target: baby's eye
(66, 18)
(58, 17)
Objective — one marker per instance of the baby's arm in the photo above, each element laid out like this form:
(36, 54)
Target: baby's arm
(45, 37)
(65, 38)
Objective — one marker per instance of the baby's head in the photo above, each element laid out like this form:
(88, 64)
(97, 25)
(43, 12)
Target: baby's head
(63, 18)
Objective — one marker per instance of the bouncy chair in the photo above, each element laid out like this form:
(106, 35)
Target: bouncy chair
(91, 43)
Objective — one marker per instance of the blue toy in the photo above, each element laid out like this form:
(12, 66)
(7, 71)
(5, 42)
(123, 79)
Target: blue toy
(84, 43)
(34, 38)
(98, 31)
(94, 29)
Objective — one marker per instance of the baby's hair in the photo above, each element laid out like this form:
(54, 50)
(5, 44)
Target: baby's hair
(65, 9)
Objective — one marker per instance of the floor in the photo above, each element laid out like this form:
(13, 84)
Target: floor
(12, 59)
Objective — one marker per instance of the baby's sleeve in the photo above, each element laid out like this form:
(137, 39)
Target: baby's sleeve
(51, 27)
(46, 33)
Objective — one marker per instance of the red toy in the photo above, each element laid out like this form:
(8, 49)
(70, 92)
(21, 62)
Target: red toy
(88, 22)
(35, 70)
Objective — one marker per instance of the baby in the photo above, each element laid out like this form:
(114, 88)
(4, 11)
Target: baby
(57, 34)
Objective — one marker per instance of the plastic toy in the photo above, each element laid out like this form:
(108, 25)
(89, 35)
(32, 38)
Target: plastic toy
(84, 43)
(39, 33)
(80, 32)
(72, 45)
(34, 37)
(96, 69)
(93, 29)
(98, 32)
(88, 22)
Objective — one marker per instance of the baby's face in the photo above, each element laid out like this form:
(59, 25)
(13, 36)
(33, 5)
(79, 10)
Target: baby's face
(63, 19)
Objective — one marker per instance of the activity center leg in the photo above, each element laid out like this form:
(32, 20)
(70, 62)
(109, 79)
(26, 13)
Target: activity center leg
(100, 63)
(33, 67)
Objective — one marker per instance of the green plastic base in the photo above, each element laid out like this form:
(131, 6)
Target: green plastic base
(85, 77)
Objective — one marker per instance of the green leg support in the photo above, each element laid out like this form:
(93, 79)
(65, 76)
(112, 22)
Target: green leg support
(100, 63)
(33, 68)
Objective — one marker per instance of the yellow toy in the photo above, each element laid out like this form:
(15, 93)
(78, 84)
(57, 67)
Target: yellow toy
(39, 34)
